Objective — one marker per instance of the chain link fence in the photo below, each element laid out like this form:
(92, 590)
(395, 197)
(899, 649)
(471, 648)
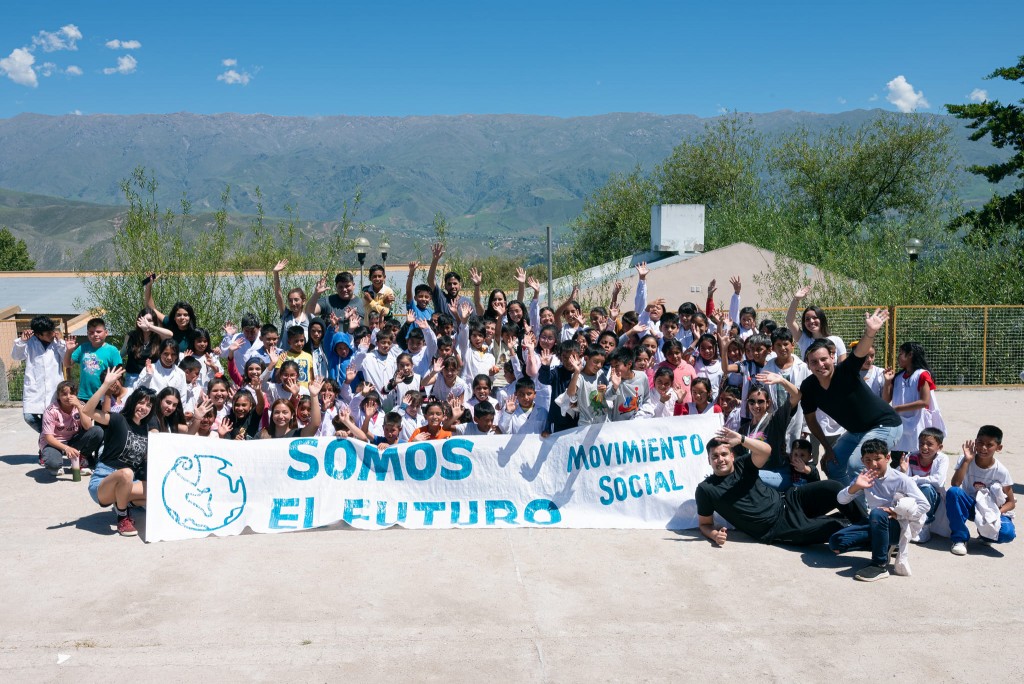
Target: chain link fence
(967, 346)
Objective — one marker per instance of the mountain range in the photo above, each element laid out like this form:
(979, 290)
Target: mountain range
(498, 178)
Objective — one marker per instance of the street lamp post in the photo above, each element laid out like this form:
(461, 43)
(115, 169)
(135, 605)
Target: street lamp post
(362, 247)
(384, 247)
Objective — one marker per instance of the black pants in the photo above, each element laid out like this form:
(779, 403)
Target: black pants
(803, 518)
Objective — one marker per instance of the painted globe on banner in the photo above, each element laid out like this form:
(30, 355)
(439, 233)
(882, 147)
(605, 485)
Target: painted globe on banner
(203, 493)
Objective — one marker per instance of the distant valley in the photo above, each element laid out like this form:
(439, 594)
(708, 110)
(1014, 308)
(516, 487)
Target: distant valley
(500, 179)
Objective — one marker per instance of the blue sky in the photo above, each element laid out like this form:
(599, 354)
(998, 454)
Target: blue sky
(555, 58)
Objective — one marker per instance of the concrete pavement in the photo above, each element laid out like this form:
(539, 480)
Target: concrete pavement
(488, 605)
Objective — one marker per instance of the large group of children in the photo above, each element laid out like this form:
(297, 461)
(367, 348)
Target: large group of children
(361, 366)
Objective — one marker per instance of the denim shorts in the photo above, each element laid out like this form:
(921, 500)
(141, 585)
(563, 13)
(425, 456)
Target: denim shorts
(99, 472)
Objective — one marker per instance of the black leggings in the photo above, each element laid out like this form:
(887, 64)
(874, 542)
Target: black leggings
(804, 508)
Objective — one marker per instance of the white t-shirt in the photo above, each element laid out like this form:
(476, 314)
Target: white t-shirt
(806, 341)
(979, 478)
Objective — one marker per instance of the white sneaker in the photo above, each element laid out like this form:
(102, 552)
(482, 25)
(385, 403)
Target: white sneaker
(959, 549)
(924, 537)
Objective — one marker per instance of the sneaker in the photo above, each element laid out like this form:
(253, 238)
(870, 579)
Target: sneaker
(126, 526)
(83, 468)
(871, 573)
(959, 549)
(924, 537)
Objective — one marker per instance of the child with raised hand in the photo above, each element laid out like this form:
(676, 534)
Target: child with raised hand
(142, 344)
(746, 316)
(585, 395)
(700, 392)
(629, 393)
(409, 411)
(269, 337)
(203, 420)
(484, 420)
(236, 345)
(200, 349)
(366, 412)
(297, 354)
(801, 463)
(883, 487)
(981, 480)
(434, 415)
(292, 311)
(243, 421)
(41, 348)
(910, 392)
(94, 356)
(328, 407)
(420, 343)
(164, 373)
(282, 417)
(117, 394)
(404, 381)
(378, 366)
(418, 301)
(477, 357)
(664, 399)
(446, 379)
(339, 356)
(928, 466)
(521, 415)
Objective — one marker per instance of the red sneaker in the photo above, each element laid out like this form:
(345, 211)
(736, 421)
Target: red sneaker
(126, 526)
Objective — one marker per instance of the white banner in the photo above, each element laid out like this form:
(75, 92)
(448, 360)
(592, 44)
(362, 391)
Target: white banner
(630, 474)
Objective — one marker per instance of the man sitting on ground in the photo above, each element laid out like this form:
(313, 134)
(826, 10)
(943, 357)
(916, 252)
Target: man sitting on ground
(736, 493)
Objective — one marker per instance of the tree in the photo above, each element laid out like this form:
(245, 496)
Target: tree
(204, 265)
(14, 253)
(842, 178)
(615, 221)
(719, 168)
(1002, 218)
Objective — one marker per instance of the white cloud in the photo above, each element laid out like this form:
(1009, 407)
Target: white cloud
(904, 97)
(73, 71)
(18, 67)
(77, 112)
(125, 65)
(229, 62)
(46, 69)
(65, 38)
(232, 77)
(116, 44)
(873, 98)
(841, 100)
(978, 95)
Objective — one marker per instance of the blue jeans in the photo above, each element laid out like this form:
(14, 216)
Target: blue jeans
(847, 450)
(933, 497)
(877, 535)
(960, 509)
(780, 480)
(34, 420)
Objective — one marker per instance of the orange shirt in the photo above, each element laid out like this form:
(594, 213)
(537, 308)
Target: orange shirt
(441, 434)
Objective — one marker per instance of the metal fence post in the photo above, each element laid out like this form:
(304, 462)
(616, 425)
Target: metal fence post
(984, 350)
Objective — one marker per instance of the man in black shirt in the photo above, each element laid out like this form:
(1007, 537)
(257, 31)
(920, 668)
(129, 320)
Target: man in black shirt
(736, 493)
(343, 297)
(839, 391)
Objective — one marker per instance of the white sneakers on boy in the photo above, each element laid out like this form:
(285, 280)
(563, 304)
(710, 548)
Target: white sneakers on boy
(959, 549)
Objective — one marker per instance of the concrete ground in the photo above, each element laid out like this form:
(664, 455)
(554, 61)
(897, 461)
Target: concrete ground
(82, 604)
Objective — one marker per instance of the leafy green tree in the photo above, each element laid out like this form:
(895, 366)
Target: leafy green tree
(1002, 218)
(842, 177)
(718, 168)
(210, 268)
(615, 221)
(14, 253)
